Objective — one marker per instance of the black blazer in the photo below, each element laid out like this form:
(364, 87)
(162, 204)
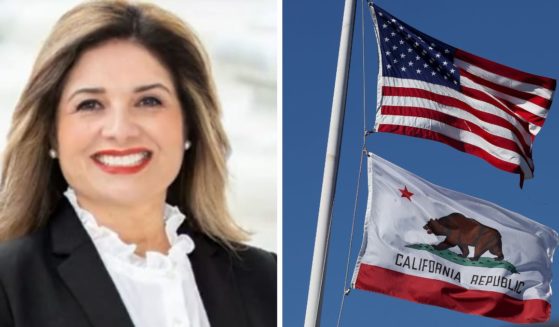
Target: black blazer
(54, 277)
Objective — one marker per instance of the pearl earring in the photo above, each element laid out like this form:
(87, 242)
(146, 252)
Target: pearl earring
(52, 153)
(187, 144)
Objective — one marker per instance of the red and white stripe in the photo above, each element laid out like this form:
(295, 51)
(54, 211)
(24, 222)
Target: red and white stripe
(495, 116)
(430, 291)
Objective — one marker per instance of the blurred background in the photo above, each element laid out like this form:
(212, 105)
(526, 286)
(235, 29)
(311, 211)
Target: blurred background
(240, 37)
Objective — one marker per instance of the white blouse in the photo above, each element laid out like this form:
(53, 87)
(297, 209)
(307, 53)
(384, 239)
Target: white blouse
(158, 289)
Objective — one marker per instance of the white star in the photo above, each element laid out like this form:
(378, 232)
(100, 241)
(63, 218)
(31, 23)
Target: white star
(410, 63)
(403, 69)
(393, 20)
(430, 48)
(388, 66)
(392, 33)
(417, 57)
(433, 45)
(446, 51)
(423, 52)
(395, 60)
(384, 26)
(452, 70)
(394, 47)
(416, 44)
(401, 41)
(402, 56)
(418, 71)
(438, 55)
(445, 63)
(425, 65)
(410, 50)
(386, 39)
(455, 82)
(433, 73)
(408, 36)
(420, 39)
(445, 77)
(401, 27)
(380, 14)
(388, 53)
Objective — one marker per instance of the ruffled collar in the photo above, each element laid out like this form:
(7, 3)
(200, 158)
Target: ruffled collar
(109, 244)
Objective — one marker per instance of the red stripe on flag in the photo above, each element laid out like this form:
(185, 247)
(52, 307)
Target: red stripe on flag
(454, 122)
(455, 103)
(510, 108)
(505, 71)
(435, 292)
(458, 145)
(535, 99)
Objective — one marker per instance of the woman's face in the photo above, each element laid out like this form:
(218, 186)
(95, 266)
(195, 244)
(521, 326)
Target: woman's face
(119, 125)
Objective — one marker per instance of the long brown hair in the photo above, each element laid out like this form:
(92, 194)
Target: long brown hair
(32, 184)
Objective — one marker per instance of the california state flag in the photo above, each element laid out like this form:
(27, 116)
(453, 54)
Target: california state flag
(432, 245)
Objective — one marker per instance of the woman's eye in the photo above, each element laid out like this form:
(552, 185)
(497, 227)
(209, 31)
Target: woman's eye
(150, 102)
(89, 105)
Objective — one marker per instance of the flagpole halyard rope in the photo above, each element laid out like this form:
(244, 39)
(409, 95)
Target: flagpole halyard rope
(347, 289)
(363, 77)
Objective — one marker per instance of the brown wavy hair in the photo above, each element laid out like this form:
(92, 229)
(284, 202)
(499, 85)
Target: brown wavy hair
(32, 183)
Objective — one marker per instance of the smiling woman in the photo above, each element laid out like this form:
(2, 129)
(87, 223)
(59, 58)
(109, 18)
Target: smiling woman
(121, 135)
(118, 215)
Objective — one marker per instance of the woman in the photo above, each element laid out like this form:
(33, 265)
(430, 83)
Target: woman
(112, 198)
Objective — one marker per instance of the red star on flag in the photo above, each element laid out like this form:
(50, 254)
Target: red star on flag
(405, 193)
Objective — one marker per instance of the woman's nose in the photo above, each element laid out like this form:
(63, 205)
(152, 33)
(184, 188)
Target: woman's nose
(120, 124)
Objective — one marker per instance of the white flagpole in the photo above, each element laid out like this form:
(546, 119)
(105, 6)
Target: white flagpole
(314, 299)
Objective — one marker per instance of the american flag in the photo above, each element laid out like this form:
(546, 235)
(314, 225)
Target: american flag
(431, 90)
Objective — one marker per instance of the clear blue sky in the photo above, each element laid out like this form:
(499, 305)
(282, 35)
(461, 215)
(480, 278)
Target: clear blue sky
(521, 34)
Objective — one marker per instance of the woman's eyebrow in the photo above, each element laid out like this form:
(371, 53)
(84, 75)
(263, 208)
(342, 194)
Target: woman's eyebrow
(94, 90)
(151, 86)
(99, 90)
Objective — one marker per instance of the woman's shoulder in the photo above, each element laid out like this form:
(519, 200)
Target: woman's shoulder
(18, 253)
(36, 244)
(247, 261)
(254, 258)
(241, 255)
(258, 268)
(235, 282)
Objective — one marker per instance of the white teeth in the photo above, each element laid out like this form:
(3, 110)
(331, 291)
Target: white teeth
(124, 161)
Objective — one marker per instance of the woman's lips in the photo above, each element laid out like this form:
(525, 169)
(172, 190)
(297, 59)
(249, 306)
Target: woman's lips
(127, 161)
